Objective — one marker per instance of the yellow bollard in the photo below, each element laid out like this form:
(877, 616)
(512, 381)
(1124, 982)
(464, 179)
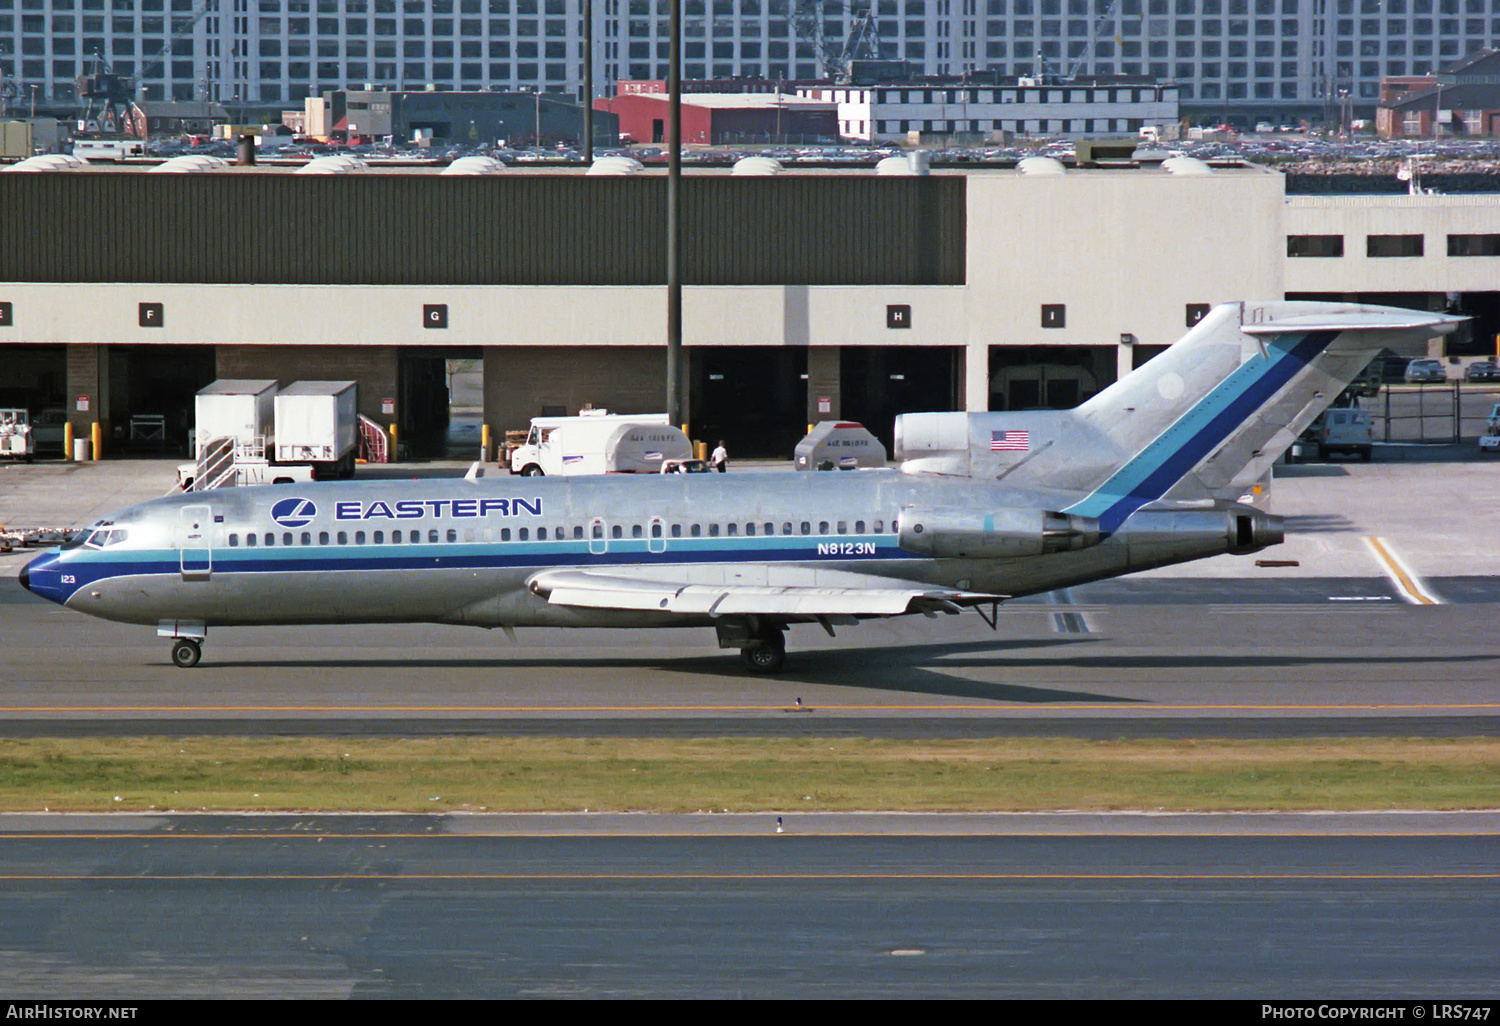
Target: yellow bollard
(98, 437)
(67, 439)
(393, 442)
(701, 450)
(484, 442)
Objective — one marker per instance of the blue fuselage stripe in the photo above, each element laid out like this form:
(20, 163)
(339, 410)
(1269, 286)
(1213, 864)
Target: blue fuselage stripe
(466, 556)
(1148, 475)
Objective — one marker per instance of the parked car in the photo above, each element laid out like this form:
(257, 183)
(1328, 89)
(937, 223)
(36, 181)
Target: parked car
(684, 467)
(1341, 431)
(1425, 371)
(1482, 370)
(47, 429)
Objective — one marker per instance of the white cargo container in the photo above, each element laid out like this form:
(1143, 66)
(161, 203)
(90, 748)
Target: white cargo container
(317, 423)
(603, 445)
(241, 409)
(539, 455)
(839, 445)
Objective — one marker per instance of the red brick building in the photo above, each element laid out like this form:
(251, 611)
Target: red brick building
(723, 118)
(1462, 100)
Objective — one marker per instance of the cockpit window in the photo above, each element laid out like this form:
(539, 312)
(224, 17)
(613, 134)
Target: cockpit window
(116, 536)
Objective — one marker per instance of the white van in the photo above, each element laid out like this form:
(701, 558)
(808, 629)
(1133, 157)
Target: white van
(599, 442)
(1342, 431)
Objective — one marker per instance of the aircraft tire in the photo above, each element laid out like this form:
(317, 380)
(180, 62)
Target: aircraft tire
(186, 652)
(769, 656)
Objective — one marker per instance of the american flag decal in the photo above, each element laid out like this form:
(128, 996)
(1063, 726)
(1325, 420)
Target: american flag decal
(1010, 441)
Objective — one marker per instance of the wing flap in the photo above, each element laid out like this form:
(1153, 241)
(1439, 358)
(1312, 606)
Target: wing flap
(864, 596)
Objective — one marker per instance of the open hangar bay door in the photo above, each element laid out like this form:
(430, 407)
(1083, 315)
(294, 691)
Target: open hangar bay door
(153, 396)
(440, 401)
(877, 384)
(754, 398)
(1048, 377)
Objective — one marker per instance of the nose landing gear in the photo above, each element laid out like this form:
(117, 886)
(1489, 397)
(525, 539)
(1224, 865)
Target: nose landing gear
(186, 652)
(187, 640)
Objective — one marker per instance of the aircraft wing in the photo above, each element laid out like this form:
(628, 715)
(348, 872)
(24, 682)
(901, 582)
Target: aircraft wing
(848, 594)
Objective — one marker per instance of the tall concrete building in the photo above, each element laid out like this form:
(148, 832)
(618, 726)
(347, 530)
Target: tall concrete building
(1247, 58)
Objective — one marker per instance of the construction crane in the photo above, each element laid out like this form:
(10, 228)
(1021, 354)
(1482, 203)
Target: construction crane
(1082, 60)
(178, 32)
(809, 20)
(109, 99)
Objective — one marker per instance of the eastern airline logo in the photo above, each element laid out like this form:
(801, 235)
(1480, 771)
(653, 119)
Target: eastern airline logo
(294, 512)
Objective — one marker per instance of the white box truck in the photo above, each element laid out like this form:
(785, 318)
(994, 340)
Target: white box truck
(600, 443)
(236, 408)
(233, 437)
(317, 424)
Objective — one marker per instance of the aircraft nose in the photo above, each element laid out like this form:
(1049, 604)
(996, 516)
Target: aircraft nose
(37, 565)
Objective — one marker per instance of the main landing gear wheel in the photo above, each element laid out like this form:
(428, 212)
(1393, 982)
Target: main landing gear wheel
(186, 652)
(766, 656)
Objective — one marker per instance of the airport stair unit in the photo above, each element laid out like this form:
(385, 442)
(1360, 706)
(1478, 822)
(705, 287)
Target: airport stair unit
(215, 467)
(223, 461)
(374, 446)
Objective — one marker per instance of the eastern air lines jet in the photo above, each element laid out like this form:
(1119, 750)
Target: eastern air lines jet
(985, 507)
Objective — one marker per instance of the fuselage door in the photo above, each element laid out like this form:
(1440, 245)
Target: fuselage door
(656, 536)
(598, 537)
(194, 525)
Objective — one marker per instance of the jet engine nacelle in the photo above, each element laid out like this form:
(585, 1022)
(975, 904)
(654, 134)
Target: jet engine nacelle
(1160, 534)
(957, 532)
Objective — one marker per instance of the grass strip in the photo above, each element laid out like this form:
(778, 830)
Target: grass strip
(742, 775)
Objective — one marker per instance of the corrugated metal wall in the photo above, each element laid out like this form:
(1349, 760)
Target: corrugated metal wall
(377, 229)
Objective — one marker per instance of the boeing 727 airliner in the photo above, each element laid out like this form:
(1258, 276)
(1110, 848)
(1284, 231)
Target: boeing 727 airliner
(985, 507)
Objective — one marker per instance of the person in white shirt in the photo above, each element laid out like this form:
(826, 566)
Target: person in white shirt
(720, 458)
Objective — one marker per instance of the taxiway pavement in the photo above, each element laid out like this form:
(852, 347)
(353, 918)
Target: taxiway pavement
(480, 906)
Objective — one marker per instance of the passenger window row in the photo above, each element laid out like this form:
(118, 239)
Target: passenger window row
(751, 529)
(269, 538)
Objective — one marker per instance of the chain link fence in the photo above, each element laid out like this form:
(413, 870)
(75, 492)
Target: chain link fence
(1440, 414)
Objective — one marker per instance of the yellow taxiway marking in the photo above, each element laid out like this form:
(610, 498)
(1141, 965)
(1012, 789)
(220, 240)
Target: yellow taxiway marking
(1411, 587)
(725, 877)
(1125, 704)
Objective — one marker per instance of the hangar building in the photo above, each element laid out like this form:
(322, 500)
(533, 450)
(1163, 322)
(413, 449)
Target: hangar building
(808, 296)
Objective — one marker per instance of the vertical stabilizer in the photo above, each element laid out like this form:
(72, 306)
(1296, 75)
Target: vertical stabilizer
(1234, 393)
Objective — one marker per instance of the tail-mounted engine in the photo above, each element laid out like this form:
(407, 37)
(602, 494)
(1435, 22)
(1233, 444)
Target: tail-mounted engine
(956, 532)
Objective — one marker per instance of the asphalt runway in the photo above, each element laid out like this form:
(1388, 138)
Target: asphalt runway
(445, 906)
(1141, 668)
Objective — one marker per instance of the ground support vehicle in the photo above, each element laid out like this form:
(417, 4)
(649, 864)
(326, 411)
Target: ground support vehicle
(16, 439)
(599, 442)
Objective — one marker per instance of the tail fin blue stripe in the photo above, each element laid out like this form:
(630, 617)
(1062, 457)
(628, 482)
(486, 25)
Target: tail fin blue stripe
(1148, 475)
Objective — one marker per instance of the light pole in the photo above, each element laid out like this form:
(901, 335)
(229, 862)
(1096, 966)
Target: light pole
(537, 120)
(674, 219)
(33, 101)
(588, 82)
